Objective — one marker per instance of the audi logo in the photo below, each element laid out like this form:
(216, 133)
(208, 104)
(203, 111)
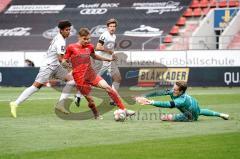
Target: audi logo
(93, 11)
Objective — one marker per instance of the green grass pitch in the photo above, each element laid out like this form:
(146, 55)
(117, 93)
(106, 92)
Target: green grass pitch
(39, 133)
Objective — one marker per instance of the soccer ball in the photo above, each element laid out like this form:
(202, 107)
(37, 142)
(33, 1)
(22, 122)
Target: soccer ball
(119, 115)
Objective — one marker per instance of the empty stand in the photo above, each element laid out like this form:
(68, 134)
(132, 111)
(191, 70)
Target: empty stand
(197, 10)
(31, 29)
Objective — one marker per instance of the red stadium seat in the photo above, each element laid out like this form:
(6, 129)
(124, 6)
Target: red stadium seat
(174, 30)
(168, 39)
(222, 4)
(233, 3)
(181, 21)
(188, 13)
(205, 11)
(204, 3)
(4, 4)
(195, 4)
(197, 12)
(213, 3)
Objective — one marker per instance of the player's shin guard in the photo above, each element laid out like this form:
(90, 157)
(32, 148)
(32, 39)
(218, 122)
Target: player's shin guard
(115, 98)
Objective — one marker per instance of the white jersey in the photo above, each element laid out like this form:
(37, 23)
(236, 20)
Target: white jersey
(57, 47)
(108, 43)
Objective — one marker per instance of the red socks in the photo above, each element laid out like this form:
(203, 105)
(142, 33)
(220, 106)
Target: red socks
(116, 99)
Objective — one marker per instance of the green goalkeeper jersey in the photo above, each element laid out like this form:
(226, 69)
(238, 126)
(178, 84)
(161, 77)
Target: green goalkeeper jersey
(185, 103)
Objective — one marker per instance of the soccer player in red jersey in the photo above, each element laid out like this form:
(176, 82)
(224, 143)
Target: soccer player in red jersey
(84, 75)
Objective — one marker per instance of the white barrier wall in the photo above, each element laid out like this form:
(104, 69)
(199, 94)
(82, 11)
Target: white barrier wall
(11, 59)
(204, 36)
(231, 30)
(192, 58)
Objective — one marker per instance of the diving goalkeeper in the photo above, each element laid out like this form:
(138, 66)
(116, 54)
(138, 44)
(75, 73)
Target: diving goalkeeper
(187, 105)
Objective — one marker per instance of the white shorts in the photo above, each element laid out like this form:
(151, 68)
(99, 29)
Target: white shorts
(102, 66)
(47, 72)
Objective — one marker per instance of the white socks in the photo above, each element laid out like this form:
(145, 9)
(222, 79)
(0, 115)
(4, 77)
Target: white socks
(66, 92)
(78, 94)
(26, 94)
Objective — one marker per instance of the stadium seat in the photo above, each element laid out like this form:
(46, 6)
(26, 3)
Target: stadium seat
(174, 30)
(197, 12)
(188, 13)
(213, 3)
(181, 21)
(204, 3)
(222, 4)
(195, 4)
(233, 3)
(4, 4)
(205, 11)
(168, 39)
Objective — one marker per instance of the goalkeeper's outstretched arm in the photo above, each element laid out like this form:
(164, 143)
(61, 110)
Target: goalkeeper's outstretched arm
(163, 104)
(158, 93)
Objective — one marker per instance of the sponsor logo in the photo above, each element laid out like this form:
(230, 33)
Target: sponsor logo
(0, 77)
(51, 33)
(96, 8)
(144, 31)
(34, 9)
(231, 78)
(131, 74)
(158, 7)
(99, 5)
(163, 74)
(93, 11)
(18, 31)
(98, 30)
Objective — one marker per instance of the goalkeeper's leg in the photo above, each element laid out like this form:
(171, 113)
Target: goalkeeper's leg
(207, 112)
(176, 117)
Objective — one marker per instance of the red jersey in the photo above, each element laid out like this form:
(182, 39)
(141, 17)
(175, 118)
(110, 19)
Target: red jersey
(80, 57)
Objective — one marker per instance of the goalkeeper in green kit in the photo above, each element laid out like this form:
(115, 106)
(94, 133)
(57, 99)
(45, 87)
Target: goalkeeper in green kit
(187, 105)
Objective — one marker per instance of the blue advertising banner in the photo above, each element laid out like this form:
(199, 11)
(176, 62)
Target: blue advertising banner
(143, 77)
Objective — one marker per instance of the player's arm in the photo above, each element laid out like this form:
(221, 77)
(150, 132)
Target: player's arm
(97, 57)
(60, 47)
(66, 57)
(100, 46)
(159, 93)
(155, 93)
(60, 57)
(163, 104)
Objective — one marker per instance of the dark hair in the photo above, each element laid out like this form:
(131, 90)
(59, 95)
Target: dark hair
(111, 21)
(64, 24)
(182, 86)
(84, 32)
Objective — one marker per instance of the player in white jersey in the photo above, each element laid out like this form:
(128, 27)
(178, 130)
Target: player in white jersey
(51, 67)
(105, 48)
